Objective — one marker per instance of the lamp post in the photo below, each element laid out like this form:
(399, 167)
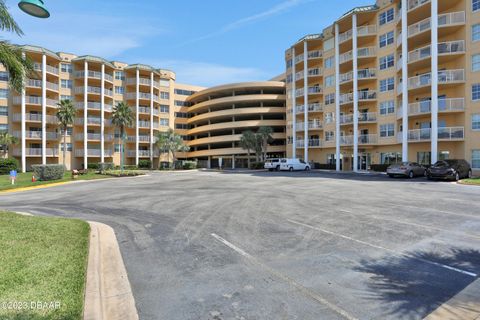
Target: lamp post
(34, 8)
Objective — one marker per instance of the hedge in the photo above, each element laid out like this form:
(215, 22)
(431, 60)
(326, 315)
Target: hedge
(7, 165)
(189, 165)
(47, 172)
(257, 165)
(144, 164)
(93, 166)
(103, 166)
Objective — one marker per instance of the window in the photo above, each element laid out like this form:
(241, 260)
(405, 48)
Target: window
(69, 131)
(289, 78)
(66, 84)
(423, 158)
(475, 92)
(329, 81)
(387, 107)
(329, 135)
(387, 84)
(386, 16)
(3, 127)
(164, 122)
(181, 126)
(119, 90)
(289, 63)
(476, 159)
(387, 62)
(66, 97)
(164, 83)
(3, 93)
(387, 130)
(329, 117)
(476, 62)
(181, 114)
(329, 62)
(119, 75)
(69, 147)
(476, 121)
(330, 98)
(3, 76)
(164, 95)
(164, 108)
(386, 39)
(184, 92)
(328, 44)
(476, 32)
(117, 146)
(475, 5)
(4, 111)
(390, 157)
(179, 103)
(66, 67)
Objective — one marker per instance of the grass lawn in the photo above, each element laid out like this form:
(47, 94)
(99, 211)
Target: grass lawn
(25, 180)
(42, 260)
(473, 181)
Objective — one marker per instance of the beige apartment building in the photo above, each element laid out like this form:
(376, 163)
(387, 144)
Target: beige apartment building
(348, 106)
(95, 86)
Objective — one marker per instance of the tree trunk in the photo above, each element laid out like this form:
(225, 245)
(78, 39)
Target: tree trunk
(64, 146)
(173, 159)
(122, 151)
(248, 159)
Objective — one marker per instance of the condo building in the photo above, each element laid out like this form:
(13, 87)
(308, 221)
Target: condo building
(395, 81)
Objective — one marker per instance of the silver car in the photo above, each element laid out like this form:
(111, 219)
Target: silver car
(406, 169)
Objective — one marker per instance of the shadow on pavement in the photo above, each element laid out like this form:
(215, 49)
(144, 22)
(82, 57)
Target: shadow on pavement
(412, 289)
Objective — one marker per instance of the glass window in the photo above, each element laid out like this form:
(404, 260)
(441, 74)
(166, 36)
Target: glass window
(387, 107)
(184, 92)
(66, 67)
(3, 76)
(330, 98)
(390, 157)
(164, 95)
(119, 75)
(329, 62)
(476, 62)
(69, 131)
(387, 84)
(3, 127)
(119, 90)
(476, 159)
(423, 158)
(329, 135)
(289, 78)
(328, 44)
(329, 117)
(117, 146)
(476, 32)
(387, 62)
(4, 93)
(69, 147)
(387, 130)
(164, 83)
(475, 5)
(386, 39)
(386, 16)
(164, 122)
(66, 83)
(179, 103)
(329, 81)
(4, 111)
(289, 63)
(476, 121)
(164, 108)
(476, 92)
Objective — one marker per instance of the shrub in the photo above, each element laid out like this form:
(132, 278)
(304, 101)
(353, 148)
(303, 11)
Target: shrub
(126, 173)
(257, 165)
(144, 164)
(379, 167)
(93, 166)
(105, 166)
(47, 172)
(189, 165)
(6, 165)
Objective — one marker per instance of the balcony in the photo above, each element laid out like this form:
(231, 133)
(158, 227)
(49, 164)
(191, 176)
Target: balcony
(314, 72)
(312, 143)
(49, 69)
(92, 121)
(346, 98)
(34, 83)
(367, 139)
(142, 81)
(444, 77)
(363, 74)
(94, 153)
(365, 52)
(94, 106)
(444, 20)
(444, 134)
(314, 54)
(367, 95)
(312, 107)
(141, 95)
(369, 30)
(37, 135)
(94, 90)
(414, 4)
(444, 48)
(317, 89)
(141, 153)
(36, 152)
(425, 107)
(34, 117)
(345, 36)
(298, 58)
(315, 124)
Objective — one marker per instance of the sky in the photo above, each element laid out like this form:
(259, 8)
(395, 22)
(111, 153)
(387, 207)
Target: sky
(205, 43)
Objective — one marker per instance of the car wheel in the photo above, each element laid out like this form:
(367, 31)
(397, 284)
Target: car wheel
(469, 174)
(307, 168)
(411, 175)
(277, 168)
(391, 175)
(457, 176)
(290, 169)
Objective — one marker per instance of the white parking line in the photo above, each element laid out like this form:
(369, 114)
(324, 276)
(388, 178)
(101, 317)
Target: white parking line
(471, 274)
(439, 211)
(285, 278)
(462, 234)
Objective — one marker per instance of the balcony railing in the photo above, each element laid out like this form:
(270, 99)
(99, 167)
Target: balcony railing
(346, 98)
(446, 19)
(444, 48)
(49, 152)
(413, 4)
(315, 124)
(444, 134)
(37, 135)
(312, 143)
(315, 89)
(345, 36)
(94, 106)
(444, 105)
(298, 58)
(367, 30)
(444, 77)
(95, 90)
(312, 107)
(141, 153)
(34, 117)
(346, 118)
(315, 54)
(94, 152)
(362, 75)
(313, 72)
(367, 95)
(92, 121)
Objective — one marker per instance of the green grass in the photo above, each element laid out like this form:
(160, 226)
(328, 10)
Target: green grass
(25, 180)
(42, 259)
(472, 181)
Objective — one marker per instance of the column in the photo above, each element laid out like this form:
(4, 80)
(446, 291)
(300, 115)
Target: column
(44, 109)
(337, 100)
(355, 93)
(294, 108)
(85, 116)
(102, 116)
(24, 128)
(305, 101)
(404, 82)
(137, 106)
(151, 117)
(233, 161)
(434, 106)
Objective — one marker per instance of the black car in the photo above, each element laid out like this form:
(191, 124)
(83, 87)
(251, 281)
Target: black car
(452, 169)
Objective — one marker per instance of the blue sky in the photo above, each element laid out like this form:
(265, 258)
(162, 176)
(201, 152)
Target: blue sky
(206, 42)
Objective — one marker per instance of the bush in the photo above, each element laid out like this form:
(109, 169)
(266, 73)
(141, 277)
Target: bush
(93, 166)
(379, 167)
(324, 166)
(189, 165)
(103, 166)
(126, 173)
(6, 165)
(48, 172)
(257, 165)
(144, 164)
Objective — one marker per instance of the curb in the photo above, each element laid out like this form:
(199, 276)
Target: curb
(463, 306)
(108, 294)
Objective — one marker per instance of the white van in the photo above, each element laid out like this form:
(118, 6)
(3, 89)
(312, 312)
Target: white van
(272, 164)
(293, 164)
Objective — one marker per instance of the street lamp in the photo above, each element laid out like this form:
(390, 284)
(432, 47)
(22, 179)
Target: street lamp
(34, 8)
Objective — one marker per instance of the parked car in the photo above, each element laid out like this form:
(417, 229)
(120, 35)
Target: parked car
(406, 169)
(272, 164)
(451, 169)
(294, 164)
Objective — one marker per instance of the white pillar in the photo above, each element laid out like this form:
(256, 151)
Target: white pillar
(137, 106)
(85, 116)
(305, 101)
(44, 109)
(434, 107)
(294, 108)
(404, 82)
(355, 93)
(102, 116)
(233, 161)
(24, 128)
(337, 99)
(151, 117)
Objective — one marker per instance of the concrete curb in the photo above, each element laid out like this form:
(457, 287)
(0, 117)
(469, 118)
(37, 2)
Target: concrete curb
(108, 294)
(463, 306)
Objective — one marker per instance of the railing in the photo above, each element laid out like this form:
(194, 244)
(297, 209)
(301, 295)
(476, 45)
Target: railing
(367, 117)
(94, 152)
(315, 143)
(444, 105)
(141, 95)
(367, 95)
(300, 126)
(346, 118)
(315, 54)
(299, 92)
(367, 74)
(367, 139)
(446, 19)
(345, 36)
(91, 89)
(49, 152)
(51, 69)
(346, 140)
(444, 133)
(144, 110)
(315, 89)
(312, 107)
(444, 77)
(141, 153)
(346, 98)
(298, 58)
(143, 138)
(94, 106)
(346, 77)
(367, 30)
(92, 120)
(315, 124)
(345, 57)
(144, 124)
(299, 75)
(38, 84)
(17, 117)
(444, 48)
(312, 72)
(366, 52)
(413, 4)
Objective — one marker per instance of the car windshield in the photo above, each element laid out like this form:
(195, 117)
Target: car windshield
(440, 164)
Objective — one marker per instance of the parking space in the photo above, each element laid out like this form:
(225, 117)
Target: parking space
(281, 245)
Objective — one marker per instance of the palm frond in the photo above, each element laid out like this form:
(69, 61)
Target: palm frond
(7, 23)
(17, 67)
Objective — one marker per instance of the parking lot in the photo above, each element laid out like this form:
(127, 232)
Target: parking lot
(281, 245)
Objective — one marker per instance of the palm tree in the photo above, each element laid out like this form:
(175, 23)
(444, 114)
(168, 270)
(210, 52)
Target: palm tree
(122, 117)
(248, 142)
(264, 137)
(11, 56)
(6, 139)
(65, 115)
(170, 142)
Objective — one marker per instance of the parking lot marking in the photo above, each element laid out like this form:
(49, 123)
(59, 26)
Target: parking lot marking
(462, 234)
(311, 294)
(439, 211)
(471, 274)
